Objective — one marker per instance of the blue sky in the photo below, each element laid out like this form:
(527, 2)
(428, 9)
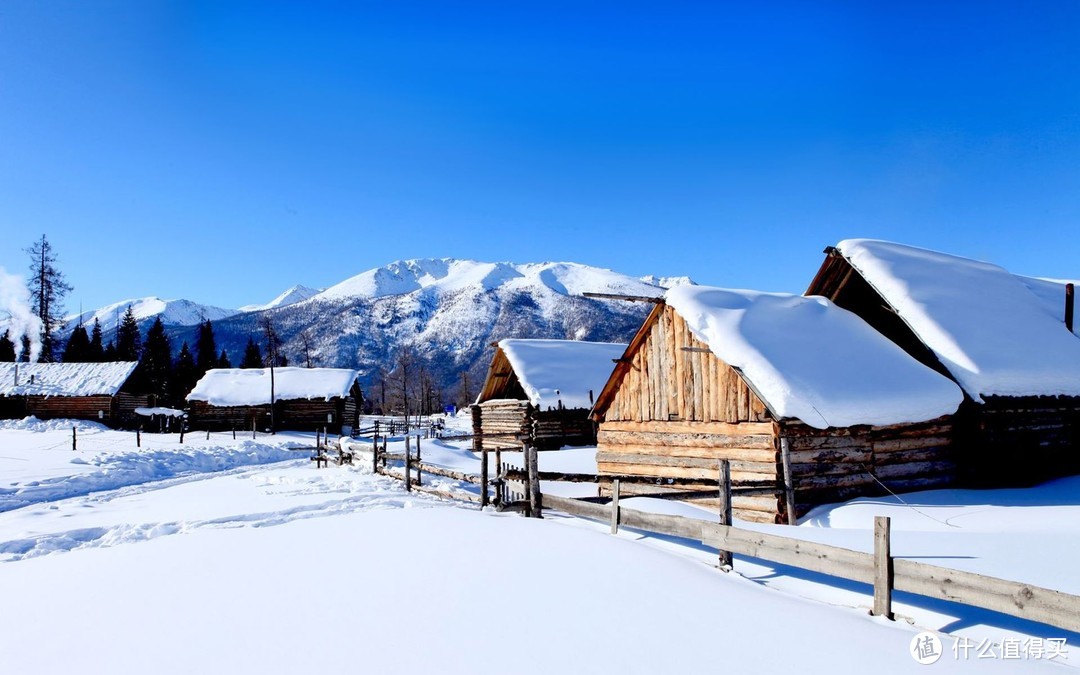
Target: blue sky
(223, 151)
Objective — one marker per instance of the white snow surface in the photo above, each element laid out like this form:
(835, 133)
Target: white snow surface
(64, 379)
(251, 386)
(172, 312)
(562, 371)
(247, 566)
(813, 361)
(447, 275)
(997, 334)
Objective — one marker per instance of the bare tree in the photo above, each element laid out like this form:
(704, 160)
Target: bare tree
(307, 346)
(47, 291)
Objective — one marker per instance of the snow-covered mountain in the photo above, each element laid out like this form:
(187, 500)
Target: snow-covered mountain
(172, 313)
(446, 311)
(291, 296)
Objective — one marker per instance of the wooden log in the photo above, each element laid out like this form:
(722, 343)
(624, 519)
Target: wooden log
(757, 455)
(725, 509)
(831, 560)
(901, 444)
(615, 506)
(855, 455)
(661, 437)
(883, 568)
(691, 427)
(665, 472)
(789, 481)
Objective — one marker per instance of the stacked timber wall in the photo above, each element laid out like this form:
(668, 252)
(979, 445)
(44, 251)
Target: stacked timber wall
(1022, 440)
(502, 421)
(693, 450)
(72, 407)
(293, 414)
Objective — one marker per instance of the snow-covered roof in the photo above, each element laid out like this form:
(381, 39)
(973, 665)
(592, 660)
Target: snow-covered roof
(566, 371)
(996, 333)
(64, 379)
(813, 361)
(251, 386)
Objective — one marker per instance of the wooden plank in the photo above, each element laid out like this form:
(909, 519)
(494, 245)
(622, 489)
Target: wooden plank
(760, 456)
(705, 473)
(701, 440)
(691, 427)
(823, 558)
(789, 481)
(615, 506)
(1026, 601)
(725, 509)
(883, 568)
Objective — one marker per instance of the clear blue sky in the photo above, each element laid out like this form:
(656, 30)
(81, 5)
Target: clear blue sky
(222, 151)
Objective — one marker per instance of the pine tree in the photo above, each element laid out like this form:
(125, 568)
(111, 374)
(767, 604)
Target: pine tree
(109, 354)
(7, 347)
(77, 349)
(205, 348)
(128, 341)
(185, 375)
(96, 353)
(252, 355)
(157, 361)
(47, 290)
(223, 361)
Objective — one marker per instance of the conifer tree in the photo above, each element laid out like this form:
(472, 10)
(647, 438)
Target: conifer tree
(109, 354)
(223, 361)
(96, 353)
(157, 361)
(7, 347)
(252, 355)
(47, 290)
(77, 349)
(205, 348)
(185, 375)
(128, 341)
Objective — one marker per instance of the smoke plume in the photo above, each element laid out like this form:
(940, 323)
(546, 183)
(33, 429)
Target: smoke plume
(16, 314)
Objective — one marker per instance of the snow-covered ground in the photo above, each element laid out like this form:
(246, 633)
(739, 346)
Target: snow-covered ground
(227, 555)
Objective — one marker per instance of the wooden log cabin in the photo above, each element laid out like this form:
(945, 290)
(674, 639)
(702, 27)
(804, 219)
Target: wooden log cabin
(1002, 337)
(304, 399)
(758, 378)
(557, 378)
(102, 392)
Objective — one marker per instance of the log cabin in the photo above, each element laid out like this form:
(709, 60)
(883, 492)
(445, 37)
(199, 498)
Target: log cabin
(767, 380)
(543, 389)
(102, 392)
(304, 399)
(1003, 338)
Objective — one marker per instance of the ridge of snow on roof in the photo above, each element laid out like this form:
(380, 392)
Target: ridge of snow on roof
(65, 379)
(810, 360)
(551, 371)
(992, 330)
(251, 386)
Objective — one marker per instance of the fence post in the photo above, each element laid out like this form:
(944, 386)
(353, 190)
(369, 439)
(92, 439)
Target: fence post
(73, 439)
(789, 482)
(253, 423)
(883, 568)
(419, 471)
(408, 487)
(615, 506)
(138, 436)
(483, 477)
(182, 432)
(726, 560)
(375, 451)
(535, 498)
(234, 433)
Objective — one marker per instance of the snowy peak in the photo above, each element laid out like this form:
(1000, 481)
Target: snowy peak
(447, 275)
(291, 296)
(172, 313)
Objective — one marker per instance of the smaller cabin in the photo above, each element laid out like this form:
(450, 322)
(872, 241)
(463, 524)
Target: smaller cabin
(1003, 338)
(559, 379)
(768, 381)
(304, 399)
(102, 392)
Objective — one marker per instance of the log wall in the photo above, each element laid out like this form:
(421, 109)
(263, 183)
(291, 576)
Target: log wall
(72, 407)
(1022, 440)
(294, 415)
(500, 417)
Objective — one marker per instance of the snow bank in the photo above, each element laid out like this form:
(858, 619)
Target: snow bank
(120, 469)
(810, 360)
(64, 379)
(251, 386)
(561, 371)
(40, 426)
(985, 325)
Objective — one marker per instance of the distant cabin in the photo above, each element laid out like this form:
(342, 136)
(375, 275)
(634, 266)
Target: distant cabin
(543, 387)
(86, 391)
(749, 377)
(305, 399)
(1000, 336)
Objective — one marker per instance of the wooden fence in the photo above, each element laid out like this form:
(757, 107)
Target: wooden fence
(518, 489)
